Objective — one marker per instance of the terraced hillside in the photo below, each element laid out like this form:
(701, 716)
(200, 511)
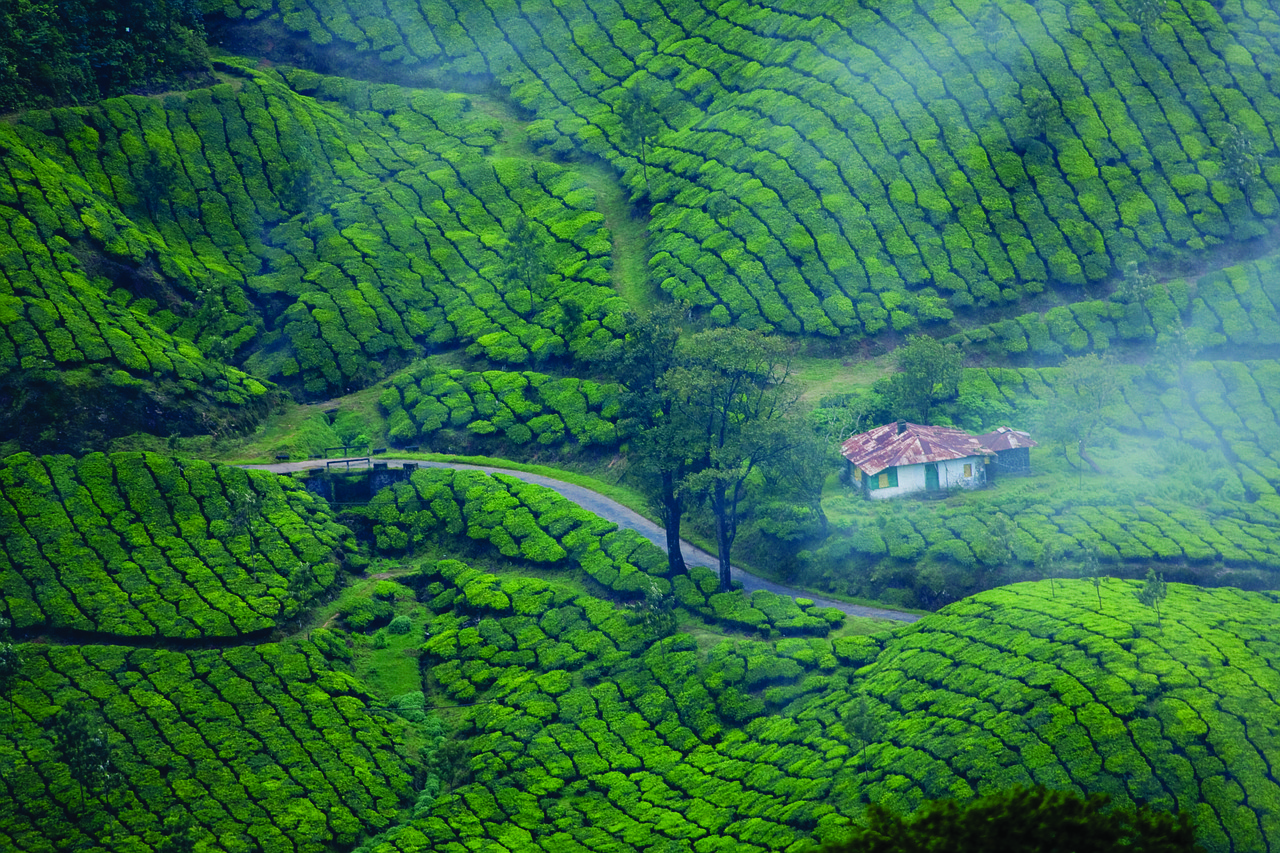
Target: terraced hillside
(517, 407)
(256, 748)
(594, 736)
(532, 524)
(314, 230)
(827, 168)
(142, 545)
(1225, 310)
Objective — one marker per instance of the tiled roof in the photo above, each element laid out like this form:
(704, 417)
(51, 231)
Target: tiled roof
(885, 447)
(1004, 438)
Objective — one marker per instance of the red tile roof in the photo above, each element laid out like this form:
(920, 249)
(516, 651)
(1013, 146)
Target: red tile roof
(1004, 438)
(884, 447)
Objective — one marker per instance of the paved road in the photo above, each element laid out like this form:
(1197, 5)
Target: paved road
(623, 517)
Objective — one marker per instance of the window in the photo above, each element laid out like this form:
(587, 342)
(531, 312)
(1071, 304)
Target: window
(968, 469)
(888, 479)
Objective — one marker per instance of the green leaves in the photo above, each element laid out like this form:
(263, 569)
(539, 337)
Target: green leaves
(141, 545)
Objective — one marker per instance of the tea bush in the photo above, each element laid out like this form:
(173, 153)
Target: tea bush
(501, 405)
(143, 545)
(831, 169)
(263, 747)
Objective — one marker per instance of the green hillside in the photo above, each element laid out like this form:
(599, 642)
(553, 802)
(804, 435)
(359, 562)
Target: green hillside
(680, 249)
(826, 168)
(597, 739)
(142, 545)
(316, 231)
(258, 748)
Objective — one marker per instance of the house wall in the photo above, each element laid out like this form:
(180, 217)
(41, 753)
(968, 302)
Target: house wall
(950, 474)
(910, 479)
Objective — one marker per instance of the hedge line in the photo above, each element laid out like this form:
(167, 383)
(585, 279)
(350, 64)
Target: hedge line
(1217, 404)
(1015, 686)
(838, 169)
(320, 229)
(261, 747)
(1238, 305)
(585, 734)
(528, 522)
(521, 407)
(142, 545)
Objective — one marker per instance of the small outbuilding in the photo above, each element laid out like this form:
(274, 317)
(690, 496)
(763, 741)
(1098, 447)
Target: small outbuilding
(901, 458)
(1011, 449)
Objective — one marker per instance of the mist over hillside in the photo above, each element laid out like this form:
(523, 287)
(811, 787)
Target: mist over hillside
(544, 324)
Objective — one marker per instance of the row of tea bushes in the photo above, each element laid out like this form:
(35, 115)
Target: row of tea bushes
(832, 170)
(143, 545)
(521, 407)
(260, 747)
(63, 332)
(531, 523)
(1236, 306)
(328, 227)
(1217, 405)
(1022, 685)
(584, 733)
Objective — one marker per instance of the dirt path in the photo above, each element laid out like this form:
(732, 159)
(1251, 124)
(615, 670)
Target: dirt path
(624, 517)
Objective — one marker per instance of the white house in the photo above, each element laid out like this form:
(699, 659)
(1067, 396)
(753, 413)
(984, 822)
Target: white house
(901, 458)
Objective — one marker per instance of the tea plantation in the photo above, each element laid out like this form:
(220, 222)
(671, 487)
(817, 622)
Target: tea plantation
(827, 168)
(142, 545)
(1233, 307)
(594, 737)
(521, 407)
(533, 524)
(515, 228)
(259, 747)
(315, 230)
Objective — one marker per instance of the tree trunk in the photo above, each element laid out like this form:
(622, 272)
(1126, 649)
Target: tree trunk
(672, 510)
(724, 541)
(1085, 456)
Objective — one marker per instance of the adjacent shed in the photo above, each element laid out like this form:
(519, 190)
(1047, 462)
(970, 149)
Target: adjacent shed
(1011, 449)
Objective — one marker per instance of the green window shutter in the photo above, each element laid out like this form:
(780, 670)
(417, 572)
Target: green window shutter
(893, 477)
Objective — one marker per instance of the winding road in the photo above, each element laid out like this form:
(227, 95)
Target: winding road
(623, 517)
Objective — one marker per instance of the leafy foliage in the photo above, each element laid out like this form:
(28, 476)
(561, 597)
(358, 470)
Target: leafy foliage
(1023, 820)
(141, 545)
(76, 51)
(256, 748)
(495, 405)
(828, 168)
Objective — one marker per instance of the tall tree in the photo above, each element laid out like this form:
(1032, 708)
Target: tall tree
(83, 747)
(740, 418)
(1047, 565)
(1153, 593)
(863, 724)
(928, 372)
(1092, 569)
(641, 124)
(1087, 387)
(1239, 163)
(526, 263)
(659, 454)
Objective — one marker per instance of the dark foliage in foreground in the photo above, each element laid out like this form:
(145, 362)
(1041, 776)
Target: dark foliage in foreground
(1023, 820)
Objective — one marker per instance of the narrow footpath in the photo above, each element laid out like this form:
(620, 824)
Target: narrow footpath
(623, 517)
